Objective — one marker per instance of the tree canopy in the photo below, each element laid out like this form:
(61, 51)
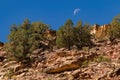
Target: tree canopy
(114, 31)
(25, 38)
(69, 35)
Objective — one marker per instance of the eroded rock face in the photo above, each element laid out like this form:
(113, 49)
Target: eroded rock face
(100, 31)
(68, 65)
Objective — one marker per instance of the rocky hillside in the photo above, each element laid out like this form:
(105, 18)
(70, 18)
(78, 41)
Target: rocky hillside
(101, 62)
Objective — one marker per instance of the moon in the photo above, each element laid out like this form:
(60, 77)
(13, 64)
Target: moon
(76, 11)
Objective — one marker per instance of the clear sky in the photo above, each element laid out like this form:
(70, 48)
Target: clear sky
(55, 12)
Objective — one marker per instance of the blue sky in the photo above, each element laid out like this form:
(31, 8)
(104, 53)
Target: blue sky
(55, 12)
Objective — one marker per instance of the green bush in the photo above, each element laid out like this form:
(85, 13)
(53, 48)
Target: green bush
(86, 49)
(101, 59)
(68, 35)
(25, 38)
(65, 35)
(114, 31)
(9, 73)
(85, 63)
(82, 36)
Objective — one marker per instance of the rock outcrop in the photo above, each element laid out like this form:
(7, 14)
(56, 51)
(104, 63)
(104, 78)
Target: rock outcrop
(100, 31)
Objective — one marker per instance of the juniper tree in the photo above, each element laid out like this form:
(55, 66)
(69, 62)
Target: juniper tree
(65, 35)
(114, 30)
(82, 36)
(25, 38)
